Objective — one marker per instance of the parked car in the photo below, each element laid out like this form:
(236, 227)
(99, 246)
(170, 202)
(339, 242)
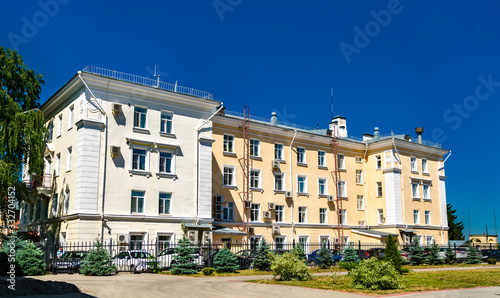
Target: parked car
(313, 259)
(405, 253)
(490, 253)
(376, 252)
(166, 258)
(245, 258)
(133, 260)
(69, 261)
(461, 253)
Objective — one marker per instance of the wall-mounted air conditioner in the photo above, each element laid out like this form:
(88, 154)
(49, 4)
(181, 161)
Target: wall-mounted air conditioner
(122, 238)
(330, 198)
(271, 206)
(193, 236)
(117, 108)
(267, 214)
(276, 164)
(288, 194)
(218, 207)
(114, 150)
(276, 229)
(218, 216)
(219, 199)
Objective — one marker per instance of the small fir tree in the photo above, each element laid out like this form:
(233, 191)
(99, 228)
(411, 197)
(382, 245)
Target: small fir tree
(416, 252)
(433, 256)
(30, 259)
(450, 255)
(183, 261)
(350, 259)
(299, 252)
(262, 260)
(98, 261)
(325, 258)
(392, 253)
(472, 256)
(225, 261)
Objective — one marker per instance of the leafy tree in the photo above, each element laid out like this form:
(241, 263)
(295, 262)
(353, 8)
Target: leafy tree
(262, 261)
(21, 125)
(374, 274)
(455, 229)
(325, 258)
(289, 267)
(433, 256)
(416, 252)
(392, 253)
(183, 261)
(98, 261)
(450, 255)
(299, 252)
(472, 256)
(225, 261)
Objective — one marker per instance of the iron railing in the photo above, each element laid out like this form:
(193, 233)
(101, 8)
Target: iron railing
(43, 180)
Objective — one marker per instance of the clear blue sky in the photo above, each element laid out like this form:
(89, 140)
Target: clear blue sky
(415, 63)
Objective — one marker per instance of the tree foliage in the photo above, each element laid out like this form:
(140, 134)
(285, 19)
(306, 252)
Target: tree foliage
(416, 252)
(433, 257)
(392, 253)
(28, 257)
(288, 266)
(450, 255)
(262, 261)
(472, 255)
(374, 274)
(325, 258)
(225, 261)
(21, 124)
(98, 261)
(183, 261)
(455, 231)
(299, 252)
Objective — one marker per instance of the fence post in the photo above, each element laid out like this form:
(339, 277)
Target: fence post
(209, 261)
(359, 248)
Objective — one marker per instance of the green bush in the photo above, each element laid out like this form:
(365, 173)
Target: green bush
(262, 260)
(472, 256)
(416, 252)
(325, 258)
(225, 261)
(491, 261)
(433, 257)
(154, 265)
(289, 267)
(97, 262)
(392, 253)
(349, 266)
(28, 257)
(299, 252)
(183, 261)
(208, 271)
(374, 274)
(450, 255)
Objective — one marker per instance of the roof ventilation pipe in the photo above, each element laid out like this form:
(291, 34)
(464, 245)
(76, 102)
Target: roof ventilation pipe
(376, 134)
(419, 131)
(274, 119)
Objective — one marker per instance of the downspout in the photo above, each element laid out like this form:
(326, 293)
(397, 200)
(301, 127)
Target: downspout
(197, 218)
(291, 178)
(103, 186)
(366, 198)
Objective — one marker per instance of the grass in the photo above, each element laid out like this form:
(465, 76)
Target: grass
(237, 273)
(424, 266)
(414, 281)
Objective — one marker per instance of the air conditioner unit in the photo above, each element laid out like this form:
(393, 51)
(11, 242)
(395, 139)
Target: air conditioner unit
(207, 237)
(219, 199)
(122, 238)
(267, 214)
(331, 198)
(117, 108)
(247, 204)
(276, 164)
(276, 229)
(271, 206)
(288, 194)
(115, 150)
(218, 216)
(193, 236)
(218, 207)
(251, 230)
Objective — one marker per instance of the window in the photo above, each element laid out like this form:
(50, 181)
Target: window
(164, 241)
(136, 242)
(427, 217)
(229, 143)
(68, 159)
(59, 126)
(140, 117)
(255, 242)
(166, 122)
(379, 188)
(66, 202)
(229, 176)
(280, 215)
(414, 190)
(255, 179)
(302, 214)
(279, 242)
(359, 176)
(322, 216)
(255, 212)
(381, 217)
(429, 240)
(426, 193)
(416, 216)
(359, 159)
(322, 188)
(71, 118)
(378, 162)
(54, 205)
(303, 242)
(278, 151)
(228, 211)
(165, 200)
(301, 155)
(341, 161)
(58, 164)
(361, 223)
(137, 202)
(361, 202)
(342, 189)
(166, 162)
(302, 184)
(254, 148)
(321, 158)
(325, 241)
(343, 216)
(50, 132)
(279, 181)
(424, 166)
(139, 159)
(413, 161)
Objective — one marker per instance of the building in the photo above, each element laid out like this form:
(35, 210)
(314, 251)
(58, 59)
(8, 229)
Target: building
(127, 158)
(484, 240)
(387, 184)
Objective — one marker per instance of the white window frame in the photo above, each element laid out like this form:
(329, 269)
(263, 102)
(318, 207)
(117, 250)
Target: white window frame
(342, 186)
(429, 240)
(255, 212)
(416, 216)
(146, 158)
(166, 118)
(71, 117)
(66, 201)
(415, 191)
(380, 216)
(305, 190)
(302, 214)
(68, 158)
(301, 156)
(254, 177)
(380, 189)
(136, 244)
(279, 244)
(343, 216)
(279, 151)
(55, 202)
(228, 145)
(359, 177)
(254, 146)
(139, 115)
(360, 202)
(282, 177)
(163, 244)
(325, 186)
(57, 164)
(280, 213)
(341, 161)
(427, 217)
(161, 202)
(321, 158)
(233, 177)
(137, 197)
(425, 166)
(378, 162)
(59, 125)
(50, 131)
(413, 164)
(304, 243)
(359, 159)
(228, 211)
(172, 161)
(323, 212)
(426, 191)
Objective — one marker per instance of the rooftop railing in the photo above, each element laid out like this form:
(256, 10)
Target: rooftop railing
(148, 82)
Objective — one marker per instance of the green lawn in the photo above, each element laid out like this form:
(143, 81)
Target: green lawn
(414, 281)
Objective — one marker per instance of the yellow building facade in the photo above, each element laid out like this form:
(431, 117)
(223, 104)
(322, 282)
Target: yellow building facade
(387, 185)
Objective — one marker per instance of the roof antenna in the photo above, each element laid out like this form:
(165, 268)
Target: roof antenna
(157, 78)
(332, 101)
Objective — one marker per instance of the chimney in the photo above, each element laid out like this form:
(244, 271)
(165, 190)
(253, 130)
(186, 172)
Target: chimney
(376, 134)
(419, 131)
(274, 119)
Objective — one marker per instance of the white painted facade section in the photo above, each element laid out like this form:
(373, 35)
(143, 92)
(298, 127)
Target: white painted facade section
(205, 184)
(442, 201)
(392, 181)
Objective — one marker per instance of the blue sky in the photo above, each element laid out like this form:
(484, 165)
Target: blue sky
(393, 64)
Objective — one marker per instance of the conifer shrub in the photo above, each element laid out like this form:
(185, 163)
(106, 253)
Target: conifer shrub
(225, 261)
(450, 255)
(350, 259)
(373, 274)
(184, 260)
(288, 266)
(30, 259)
(325, 258)
(416, 252)
(97, 262)
(262, 260)
(299, 252)
(472, 256)
(433, 257)
(392, 254)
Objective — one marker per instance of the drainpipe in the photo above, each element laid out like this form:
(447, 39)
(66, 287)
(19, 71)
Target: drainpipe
(364, 172)
(197, 218)
(291, 178)
(103, 186)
